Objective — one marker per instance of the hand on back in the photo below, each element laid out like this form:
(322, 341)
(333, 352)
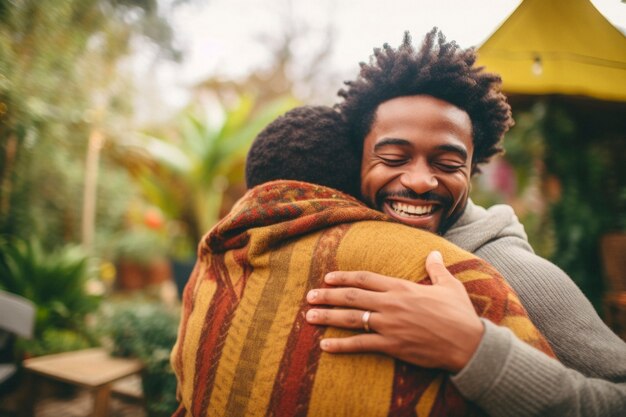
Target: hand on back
(434, 326)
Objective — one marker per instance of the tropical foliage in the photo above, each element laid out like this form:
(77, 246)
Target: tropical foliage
(566, 184)
(587, 203)
(57, 283)
(59, 84)
(193, 167)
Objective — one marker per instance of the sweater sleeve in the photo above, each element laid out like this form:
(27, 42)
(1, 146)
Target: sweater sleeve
(507, 377)
(589, 380)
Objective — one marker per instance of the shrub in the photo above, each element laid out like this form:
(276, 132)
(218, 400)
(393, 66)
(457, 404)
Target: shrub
(147, 331)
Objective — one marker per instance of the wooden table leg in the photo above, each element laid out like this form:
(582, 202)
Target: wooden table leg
(27, 395)
(101, 401)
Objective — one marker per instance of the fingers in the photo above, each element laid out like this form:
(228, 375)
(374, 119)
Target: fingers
(360, 279)
(367, 342)
(436, 270)
(347, 319)
(343, 297)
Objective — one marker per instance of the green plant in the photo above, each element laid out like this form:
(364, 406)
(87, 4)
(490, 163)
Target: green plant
(140, 245)
(53, 340)
(59, 70)
(147, 331)
(192, 168)
(56, 282)
(621, 207)
(570, 187)
(517, 179)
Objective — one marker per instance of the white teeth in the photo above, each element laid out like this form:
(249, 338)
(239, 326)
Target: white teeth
(403, 208)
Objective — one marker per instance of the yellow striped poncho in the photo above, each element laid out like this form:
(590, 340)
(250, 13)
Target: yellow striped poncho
(244, 347)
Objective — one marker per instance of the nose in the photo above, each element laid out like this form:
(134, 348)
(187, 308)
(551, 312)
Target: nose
(419, 177)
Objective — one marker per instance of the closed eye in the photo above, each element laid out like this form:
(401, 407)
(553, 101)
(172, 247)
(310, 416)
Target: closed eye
(394, 162)
(449, 167)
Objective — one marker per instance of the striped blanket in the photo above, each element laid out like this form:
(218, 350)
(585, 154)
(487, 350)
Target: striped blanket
(244, 347)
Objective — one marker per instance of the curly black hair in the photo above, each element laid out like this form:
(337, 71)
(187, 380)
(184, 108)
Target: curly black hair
(440, 69)
(308, 143)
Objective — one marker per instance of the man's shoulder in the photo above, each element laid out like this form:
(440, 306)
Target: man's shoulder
(393, 249)
(517, 263)
(478, 227)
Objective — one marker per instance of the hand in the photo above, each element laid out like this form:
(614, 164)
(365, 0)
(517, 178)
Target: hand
(433, 326)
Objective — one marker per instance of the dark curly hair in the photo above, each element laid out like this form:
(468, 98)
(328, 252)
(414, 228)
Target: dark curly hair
(440, 69)
(308, 143)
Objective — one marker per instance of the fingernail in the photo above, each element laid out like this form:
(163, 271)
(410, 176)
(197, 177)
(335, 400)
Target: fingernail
(436, 256)
(330, 277)
(324, 344)
(312, 295)
(311, 315)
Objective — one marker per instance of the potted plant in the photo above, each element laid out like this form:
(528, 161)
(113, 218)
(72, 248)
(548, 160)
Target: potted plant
(141, 258)
(146, 330)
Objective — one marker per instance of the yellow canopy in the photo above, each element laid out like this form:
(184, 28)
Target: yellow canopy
(558, 47)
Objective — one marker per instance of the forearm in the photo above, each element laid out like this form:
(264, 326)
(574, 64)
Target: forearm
(577, 335)
(506, 377)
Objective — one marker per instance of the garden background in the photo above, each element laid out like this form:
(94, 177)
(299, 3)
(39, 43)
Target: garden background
(123, 140)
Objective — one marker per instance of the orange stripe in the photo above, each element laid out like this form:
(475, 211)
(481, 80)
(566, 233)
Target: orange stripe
(257, 333)
(292, 389)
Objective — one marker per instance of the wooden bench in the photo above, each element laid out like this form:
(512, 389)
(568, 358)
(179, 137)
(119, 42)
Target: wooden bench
(93, 369)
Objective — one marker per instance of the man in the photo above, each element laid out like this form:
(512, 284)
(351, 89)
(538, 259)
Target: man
(425, 120)
(244, 347)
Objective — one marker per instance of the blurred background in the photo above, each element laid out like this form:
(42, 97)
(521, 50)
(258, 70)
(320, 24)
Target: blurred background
(124, 126)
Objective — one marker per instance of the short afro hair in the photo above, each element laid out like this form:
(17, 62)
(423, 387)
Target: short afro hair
(308, 143)
(440, 69)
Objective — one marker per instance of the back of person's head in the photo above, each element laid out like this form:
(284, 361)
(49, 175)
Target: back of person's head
(437, 68)
(310, 144)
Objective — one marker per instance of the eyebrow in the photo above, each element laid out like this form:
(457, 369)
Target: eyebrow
(391, 141)
(460, 150)
(455, 149)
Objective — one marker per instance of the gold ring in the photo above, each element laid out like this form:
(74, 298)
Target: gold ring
(366, 321)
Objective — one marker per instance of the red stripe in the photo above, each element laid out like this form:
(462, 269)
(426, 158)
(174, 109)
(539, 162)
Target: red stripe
(474, 264)
(409, 384)
(292, 389)
(497, 307)
(214, 330)
(188, 306)
(450, 403)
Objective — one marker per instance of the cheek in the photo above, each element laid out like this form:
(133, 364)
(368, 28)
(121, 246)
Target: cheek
(374, 179)
(460, 189)
(368, 186)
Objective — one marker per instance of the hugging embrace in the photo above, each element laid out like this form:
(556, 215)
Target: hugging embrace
(357, 278)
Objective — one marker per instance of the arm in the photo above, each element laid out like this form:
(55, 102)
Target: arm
(591, 381)
(527, 382)
(506, 377)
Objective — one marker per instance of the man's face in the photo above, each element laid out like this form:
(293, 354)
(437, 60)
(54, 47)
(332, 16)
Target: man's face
(416, 163)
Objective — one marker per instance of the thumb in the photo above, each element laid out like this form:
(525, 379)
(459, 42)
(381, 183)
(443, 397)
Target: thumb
(436, 269)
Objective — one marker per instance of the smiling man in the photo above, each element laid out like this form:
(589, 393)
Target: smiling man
(424, 120)
(416, 163)
(244, 347)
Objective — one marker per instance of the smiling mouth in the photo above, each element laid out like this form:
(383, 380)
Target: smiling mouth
(410, 210)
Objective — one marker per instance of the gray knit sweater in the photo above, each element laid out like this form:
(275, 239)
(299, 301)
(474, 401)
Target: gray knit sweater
(506, 377)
